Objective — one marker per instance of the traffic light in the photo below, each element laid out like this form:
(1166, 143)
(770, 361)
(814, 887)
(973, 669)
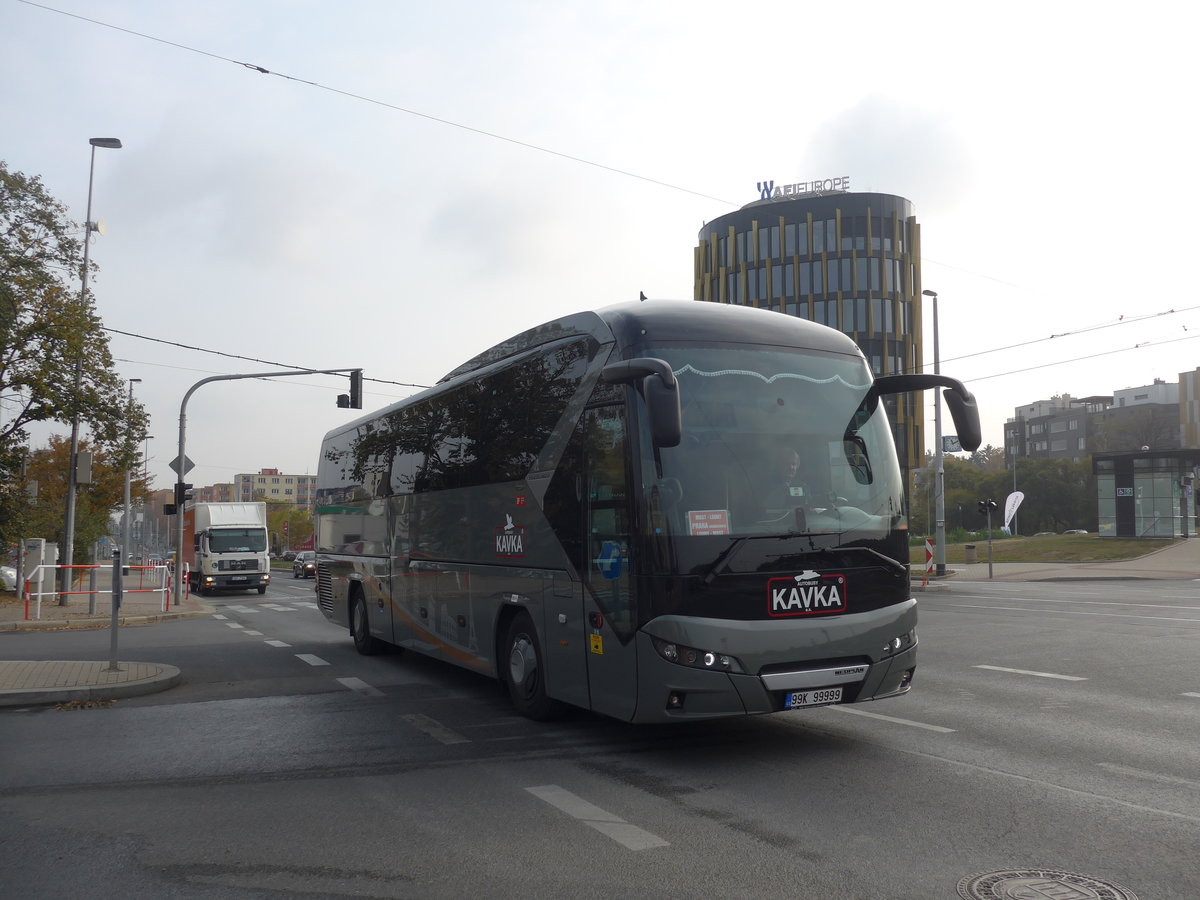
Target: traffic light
(181, 494)
(985, 506)
(353, 400)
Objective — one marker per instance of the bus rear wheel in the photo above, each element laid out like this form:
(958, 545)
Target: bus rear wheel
(360, 628)
(526, 673)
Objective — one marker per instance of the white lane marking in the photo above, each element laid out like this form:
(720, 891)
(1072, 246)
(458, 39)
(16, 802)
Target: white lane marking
(249, 610)
(278, 607)
(893, 719)
(1063, 612)
(219, 616)
(435, 729)
(360, 687)
(1027, 672)
(254, 633)
(1191, 694)
(277, 643)
(1121, 603)
(311, 660)
(234, 625)
(629, 836)
(308, 605)
(1148, 776)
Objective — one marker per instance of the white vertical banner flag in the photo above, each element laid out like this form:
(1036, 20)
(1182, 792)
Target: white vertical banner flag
(1010, 506)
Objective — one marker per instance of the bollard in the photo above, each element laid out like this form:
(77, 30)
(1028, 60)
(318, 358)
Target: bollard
(117, 585)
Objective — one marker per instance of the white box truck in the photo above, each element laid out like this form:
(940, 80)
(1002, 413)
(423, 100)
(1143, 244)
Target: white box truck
(228, 543)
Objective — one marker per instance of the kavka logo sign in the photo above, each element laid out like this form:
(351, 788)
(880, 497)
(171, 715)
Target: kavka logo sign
(510, 539)
(807, 594)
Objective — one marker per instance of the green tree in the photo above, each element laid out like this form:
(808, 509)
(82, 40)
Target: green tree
(299, 523)
(95, 503)
(989, 458)
(1059, 494)
(49, 335)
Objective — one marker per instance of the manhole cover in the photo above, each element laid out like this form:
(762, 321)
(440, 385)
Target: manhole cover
(1039, 884)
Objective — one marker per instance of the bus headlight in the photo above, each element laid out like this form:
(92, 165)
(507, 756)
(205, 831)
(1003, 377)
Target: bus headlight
(900, 642)
(695, 658)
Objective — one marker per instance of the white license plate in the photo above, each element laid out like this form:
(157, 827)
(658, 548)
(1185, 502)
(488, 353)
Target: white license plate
(821, 697)
(237, 578)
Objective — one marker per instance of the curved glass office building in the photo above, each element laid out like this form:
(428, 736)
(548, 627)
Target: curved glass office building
(848, 260)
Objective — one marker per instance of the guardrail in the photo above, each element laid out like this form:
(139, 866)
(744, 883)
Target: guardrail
(43, 581)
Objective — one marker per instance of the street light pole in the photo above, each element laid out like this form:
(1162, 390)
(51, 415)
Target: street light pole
(68, 554)
(939, 489)
(145, 545)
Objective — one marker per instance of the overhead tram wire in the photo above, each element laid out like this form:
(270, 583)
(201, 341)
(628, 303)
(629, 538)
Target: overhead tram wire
(1123, 320)
(411, 112)
(1063, 362)
(269, 362)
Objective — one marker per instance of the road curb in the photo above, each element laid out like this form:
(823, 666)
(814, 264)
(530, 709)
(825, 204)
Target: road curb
(98, 621)
(163, 677)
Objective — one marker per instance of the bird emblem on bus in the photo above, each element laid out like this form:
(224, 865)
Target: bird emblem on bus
(510, 539)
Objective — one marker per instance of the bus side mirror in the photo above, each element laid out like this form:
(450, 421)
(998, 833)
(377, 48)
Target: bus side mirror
(966, 417)
(960, 401)
(656, 383)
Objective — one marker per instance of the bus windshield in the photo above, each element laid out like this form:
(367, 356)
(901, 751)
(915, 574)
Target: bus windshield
(774, 443)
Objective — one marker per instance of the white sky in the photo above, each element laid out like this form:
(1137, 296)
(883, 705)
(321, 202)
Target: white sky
(1047, 148)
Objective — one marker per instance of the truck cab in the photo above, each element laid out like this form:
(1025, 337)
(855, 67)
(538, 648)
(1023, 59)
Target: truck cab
(229, 546)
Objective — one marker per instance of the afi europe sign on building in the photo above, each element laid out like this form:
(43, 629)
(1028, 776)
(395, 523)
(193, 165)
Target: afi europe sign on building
(768, 190)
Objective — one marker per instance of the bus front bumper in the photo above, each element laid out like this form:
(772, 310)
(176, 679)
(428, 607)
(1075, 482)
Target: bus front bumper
(671, 692)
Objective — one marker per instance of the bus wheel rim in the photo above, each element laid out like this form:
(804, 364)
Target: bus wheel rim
(522, 662)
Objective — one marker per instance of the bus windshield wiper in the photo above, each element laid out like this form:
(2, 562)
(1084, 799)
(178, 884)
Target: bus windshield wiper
(726, 558)
(882, 557)
(723, 560)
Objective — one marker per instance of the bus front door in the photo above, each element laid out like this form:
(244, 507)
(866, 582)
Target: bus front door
(608, 600)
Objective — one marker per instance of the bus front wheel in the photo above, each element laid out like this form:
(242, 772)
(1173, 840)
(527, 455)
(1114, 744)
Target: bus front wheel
(360, 628)
(526, 673)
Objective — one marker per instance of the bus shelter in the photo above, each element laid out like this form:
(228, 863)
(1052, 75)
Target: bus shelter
(1147, 493)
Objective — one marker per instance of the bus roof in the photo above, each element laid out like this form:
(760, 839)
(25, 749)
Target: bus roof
(670, 320)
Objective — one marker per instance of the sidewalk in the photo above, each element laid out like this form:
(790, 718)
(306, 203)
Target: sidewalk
(28, 683)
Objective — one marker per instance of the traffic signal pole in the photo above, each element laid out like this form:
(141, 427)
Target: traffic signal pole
(183, 464)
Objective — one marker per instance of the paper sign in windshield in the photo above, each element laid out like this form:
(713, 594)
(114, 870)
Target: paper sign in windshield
(708, 521)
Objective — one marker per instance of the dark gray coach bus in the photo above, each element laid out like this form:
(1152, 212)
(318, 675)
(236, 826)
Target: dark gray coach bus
(658, 511)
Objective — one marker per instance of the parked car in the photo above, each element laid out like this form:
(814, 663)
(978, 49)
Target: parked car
(305, 564)
(289, 555)
(1076, 531)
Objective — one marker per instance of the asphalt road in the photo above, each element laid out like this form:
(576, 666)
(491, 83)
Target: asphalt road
(1051, 725)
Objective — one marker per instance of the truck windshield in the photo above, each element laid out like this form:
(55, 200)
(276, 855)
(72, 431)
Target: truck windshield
(237, 540)
(774, 444)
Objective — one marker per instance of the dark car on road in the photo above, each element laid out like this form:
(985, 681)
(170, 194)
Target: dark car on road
(305, 564)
